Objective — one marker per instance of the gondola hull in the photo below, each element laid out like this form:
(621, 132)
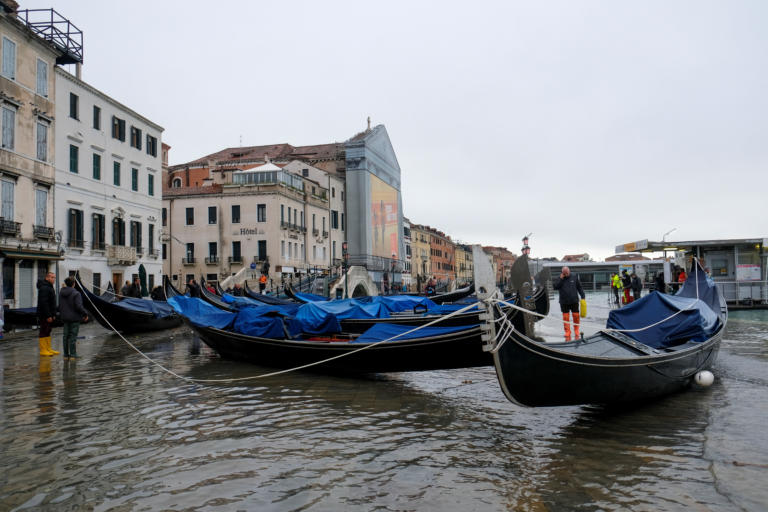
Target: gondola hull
(112, 316)
(536, 374)
(457, 350)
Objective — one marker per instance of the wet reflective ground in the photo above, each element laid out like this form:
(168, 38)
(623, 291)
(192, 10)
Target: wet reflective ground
(113, 432)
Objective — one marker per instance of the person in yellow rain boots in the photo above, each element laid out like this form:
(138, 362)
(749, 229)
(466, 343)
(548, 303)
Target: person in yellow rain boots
(569, 288)
(46, 312)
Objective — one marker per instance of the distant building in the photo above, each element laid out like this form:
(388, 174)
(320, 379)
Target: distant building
(421, 266)
(284, 219)
(576, 257)
(407, 276)
(464, 264)
(503, 260)
(632, 256)
(29, 242)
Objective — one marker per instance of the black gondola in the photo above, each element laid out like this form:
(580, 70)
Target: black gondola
(605, 368)
(123, 319)
(219, 290)
(19, 318)
(213, 299)
(462, 349)
(266, 299)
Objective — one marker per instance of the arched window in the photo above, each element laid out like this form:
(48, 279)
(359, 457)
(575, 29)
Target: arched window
(176, 183)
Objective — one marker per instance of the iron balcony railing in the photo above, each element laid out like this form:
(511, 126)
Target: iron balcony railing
(98, 246)
(154, 253)
(212, 260)
(9, 227)
(236, 259)
(43, 232)
(77, 243)
(188, 261)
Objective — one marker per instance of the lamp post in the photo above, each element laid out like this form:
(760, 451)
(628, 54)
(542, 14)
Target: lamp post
(345, 260)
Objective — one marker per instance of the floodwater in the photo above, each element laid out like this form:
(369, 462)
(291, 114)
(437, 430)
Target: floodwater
(112, 431)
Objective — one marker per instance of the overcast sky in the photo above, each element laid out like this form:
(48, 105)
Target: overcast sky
(588, 123)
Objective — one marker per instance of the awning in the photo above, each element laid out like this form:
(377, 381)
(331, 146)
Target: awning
(32, 255)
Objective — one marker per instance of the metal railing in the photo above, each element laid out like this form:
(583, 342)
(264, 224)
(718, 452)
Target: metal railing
(236, 259)
(57, 30)
(9, 227)
(77, 243)
(188, 261)
(43, 232)
(212, 260)
(744, 292)
(98, 246)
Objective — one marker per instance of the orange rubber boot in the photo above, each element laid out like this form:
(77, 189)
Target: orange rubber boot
(567, 327)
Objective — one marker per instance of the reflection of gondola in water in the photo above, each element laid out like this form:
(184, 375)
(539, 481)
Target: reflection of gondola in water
(610, 366)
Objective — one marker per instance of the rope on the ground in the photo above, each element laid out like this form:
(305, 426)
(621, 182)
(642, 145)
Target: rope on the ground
(280, 372)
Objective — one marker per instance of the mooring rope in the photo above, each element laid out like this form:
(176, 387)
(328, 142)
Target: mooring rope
(280, 372)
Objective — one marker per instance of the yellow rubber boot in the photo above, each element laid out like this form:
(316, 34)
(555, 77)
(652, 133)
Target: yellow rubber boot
(44, 347)
(48, 346)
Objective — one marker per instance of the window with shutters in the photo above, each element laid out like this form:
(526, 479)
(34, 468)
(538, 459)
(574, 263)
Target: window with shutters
(261, 213)
(97, 232)
(74, 106)
(42, 78)
(8, 198)
(136, 235)
(42, 141)
(96, 166)
(235, 214)
(262, 250)
(150, 185)
(151, 237)
(76, 228)
(118, 128)
(74, 157)
(211, 215)
(9, 127)
(135, 179)
(96, 118)
(41, 207)
(116, 174)
(9, 59)
(190, 216)
(118, 231)
(135, 137)
(151, 145)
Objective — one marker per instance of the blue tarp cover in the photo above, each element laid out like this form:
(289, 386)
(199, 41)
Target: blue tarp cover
(200, 313)
(695, 322)
(310, 297)
(399, 303)
(381, 332)
(160, 309)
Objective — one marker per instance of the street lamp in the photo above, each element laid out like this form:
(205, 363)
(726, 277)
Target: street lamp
(664, 236)
(345, 261)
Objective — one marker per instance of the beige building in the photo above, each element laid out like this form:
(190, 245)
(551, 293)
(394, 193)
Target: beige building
(421, 265)
(464, 264)
(287, 219)
(29, 244)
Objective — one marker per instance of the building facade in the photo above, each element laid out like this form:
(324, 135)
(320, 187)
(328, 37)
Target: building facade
(421, 263)
(284, 220)
(29, 245)
(108, 186)
(465, 269)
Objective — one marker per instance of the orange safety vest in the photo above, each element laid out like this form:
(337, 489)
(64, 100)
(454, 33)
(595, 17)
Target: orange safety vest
(263, 279)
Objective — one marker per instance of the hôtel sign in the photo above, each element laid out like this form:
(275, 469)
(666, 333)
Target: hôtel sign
(248, 231)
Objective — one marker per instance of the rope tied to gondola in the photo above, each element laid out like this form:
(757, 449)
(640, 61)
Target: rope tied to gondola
(279, 372)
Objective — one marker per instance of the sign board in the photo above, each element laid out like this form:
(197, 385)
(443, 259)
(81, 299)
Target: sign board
(747, 272)
(632, 246)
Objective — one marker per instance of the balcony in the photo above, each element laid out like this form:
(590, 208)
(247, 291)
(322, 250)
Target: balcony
(139, 251)
(212, 260)
(238, 260)
(98, 246)
(8, 227)
(154, 253)
(188, 261)
(315, 232)
(42, 232)
(75, 243)
(121, 255)
(285, 225)
(325, 234)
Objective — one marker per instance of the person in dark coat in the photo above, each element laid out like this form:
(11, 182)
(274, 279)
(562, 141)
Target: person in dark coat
(637, 287)
(46, 313)
(238, 291)
(72, 313)
(125, 291)
(135, 289)
(626, 283)
(193, 288)
(570, 289)
(157, 293)
(661, 286)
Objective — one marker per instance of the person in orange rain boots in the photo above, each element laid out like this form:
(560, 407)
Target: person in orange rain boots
(46, 312)
(570, 289)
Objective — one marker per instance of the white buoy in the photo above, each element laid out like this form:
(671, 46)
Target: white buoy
(704, 378)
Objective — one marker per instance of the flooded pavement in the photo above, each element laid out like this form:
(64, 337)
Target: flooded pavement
(112, 431)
